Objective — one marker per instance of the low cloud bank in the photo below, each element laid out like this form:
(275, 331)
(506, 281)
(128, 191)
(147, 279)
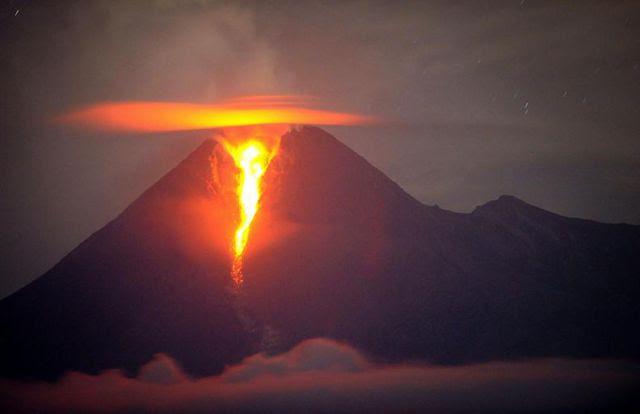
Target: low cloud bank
(321, 375)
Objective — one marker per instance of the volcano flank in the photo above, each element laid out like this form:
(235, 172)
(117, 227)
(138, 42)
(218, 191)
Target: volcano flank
(337, 250)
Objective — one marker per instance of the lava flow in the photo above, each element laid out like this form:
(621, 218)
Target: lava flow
(251, 157)
(251, 153)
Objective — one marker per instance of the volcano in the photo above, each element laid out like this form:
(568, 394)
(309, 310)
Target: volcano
(337, 250)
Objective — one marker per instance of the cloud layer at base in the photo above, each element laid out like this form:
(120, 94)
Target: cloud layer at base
(321, 375)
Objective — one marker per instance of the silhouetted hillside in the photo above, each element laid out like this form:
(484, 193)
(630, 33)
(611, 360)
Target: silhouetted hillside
(337, 250)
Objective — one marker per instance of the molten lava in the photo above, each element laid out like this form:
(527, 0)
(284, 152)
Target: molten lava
(251, 152)
(252, 158)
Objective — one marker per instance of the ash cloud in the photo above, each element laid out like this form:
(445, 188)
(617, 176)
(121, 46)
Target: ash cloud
(321, 375)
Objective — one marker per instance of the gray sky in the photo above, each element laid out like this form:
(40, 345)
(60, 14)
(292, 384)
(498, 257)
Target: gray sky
(530, 98)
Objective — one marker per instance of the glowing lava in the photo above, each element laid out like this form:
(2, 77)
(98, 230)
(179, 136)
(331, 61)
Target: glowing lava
(251, 154)
(252, 158)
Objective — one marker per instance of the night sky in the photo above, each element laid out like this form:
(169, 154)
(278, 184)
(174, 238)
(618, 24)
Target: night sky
(483, 98)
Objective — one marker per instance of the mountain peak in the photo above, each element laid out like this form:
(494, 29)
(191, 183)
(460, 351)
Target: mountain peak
(315, 166)
(506, 199)
(337, 250)
(508, 206)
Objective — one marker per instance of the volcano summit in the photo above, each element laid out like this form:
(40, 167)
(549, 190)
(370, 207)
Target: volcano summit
(337, 250)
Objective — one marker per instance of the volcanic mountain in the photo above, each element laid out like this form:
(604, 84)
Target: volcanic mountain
(337, 250)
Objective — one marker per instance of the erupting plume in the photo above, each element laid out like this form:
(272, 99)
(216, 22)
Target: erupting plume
(252, 158)
(251, 153)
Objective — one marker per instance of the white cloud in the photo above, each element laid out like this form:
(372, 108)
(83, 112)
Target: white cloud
(321, 375)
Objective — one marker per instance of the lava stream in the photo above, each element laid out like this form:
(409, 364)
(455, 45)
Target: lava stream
(251, 155)
(252, 159)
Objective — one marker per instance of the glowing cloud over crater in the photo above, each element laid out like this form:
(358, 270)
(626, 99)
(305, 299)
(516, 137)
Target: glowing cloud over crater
(175, 116)
(250, 144)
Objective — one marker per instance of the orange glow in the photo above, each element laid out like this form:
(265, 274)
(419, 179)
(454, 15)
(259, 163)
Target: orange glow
(252, 158)
(249, 143)
(171, 116)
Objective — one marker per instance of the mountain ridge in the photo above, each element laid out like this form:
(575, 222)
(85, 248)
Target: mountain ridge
(337, 250)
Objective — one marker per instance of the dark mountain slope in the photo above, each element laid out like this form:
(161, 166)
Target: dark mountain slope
(369, 264)
(337, 250)
(140, 285)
